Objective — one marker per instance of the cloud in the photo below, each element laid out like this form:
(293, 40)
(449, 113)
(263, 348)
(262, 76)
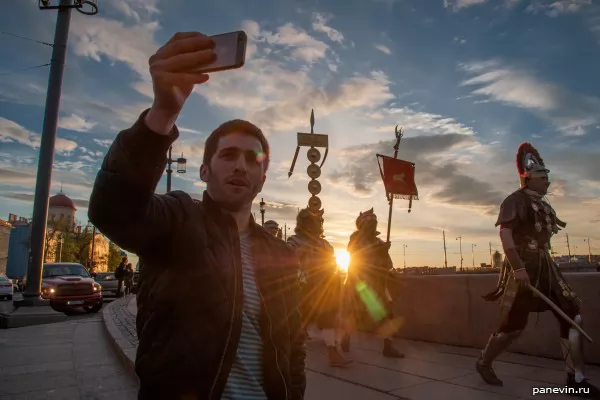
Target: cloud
(28, 197)
(423, 122)
(103, 142)
(75, 122)
(71, 178)
(11, 132)
(302, 46)
(320, 25)
(555, 8)
(99, 38)
(383, 49)
(456, 5)
(136, 10)
(276, 94)
(571, 113)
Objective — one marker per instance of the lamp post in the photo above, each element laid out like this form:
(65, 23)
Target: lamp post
(262, 211)
(31, 296)
(473, 253)
(285, 230)
(181, 167)
(461, 255)
(589, 249)
(405, 246)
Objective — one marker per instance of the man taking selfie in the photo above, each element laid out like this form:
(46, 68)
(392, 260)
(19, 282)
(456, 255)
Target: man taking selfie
(218, 313)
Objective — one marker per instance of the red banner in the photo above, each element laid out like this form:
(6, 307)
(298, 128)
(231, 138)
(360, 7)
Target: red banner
(399, 177)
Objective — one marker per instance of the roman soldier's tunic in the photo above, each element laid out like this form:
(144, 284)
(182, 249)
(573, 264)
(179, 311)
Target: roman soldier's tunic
(533, 222)
(320, 280)
(367, 280)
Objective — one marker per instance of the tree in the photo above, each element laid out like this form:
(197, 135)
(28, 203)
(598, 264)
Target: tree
(114, 256)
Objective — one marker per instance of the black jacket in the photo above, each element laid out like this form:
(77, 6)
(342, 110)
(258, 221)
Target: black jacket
(190, 306)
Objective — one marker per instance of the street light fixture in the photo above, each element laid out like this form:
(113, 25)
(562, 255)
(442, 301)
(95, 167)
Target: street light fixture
(181, 167)
(262, 211)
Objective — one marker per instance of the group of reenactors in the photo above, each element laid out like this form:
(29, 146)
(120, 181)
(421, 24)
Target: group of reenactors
(360, 298)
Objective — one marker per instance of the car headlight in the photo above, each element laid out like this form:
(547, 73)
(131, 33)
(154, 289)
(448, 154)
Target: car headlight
(48, 291)
(97, 288)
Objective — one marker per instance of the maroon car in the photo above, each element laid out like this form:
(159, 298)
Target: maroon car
(69, 286)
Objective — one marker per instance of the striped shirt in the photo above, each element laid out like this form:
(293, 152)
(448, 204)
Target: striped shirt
(246, 377)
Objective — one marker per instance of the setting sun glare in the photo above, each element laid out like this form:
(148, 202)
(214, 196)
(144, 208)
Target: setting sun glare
(342, 258)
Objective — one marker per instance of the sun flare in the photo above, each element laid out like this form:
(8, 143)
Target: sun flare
(342, 258)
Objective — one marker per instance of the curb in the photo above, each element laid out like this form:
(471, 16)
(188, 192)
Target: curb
(125, 350)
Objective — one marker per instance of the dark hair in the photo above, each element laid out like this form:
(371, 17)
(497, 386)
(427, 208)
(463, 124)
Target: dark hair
(235, 125)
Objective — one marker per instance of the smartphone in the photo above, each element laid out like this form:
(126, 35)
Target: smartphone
(230, 49)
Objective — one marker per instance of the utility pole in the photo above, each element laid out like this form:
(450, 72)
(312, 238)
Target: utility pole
(461, 254)
(568, 246)
(589, 249)
(445, 254)
(490, 249)
(405, 246)
(473, 253)
(32, 293)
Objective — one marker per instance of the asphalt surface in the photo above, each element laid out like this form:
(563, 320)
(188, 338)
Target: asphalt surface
(7, 306)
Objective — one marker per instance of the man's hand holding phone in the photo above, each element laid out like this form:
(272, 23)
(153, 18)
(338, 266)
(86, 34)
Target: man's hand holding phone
(174, 74)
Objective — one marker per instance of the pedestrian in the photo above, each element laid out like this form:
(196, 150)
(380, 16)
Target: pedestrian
(218, 311)
(120, 275)
(527, 223)
(128, 278)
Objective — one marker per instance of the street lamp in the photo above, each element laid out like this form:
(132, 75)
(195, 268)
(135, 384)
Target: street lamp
(32, 294)
(589, 249)
(262, 211)
(181, 167)
(473, 253)
(405, 246)
(461, 255)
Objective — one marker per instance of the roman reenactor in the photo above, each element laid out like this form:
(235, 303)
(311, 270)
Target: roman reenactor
(527, 222)
(272, 227)
(320, 278)
(366, 288)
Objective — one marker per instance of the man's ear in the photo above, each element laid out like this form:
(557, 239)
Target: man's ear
(204, 173)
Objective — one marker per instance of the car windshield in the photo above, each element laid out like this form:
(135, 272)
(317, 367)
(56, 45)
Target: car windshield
(105, 277)
(62, 270)
(3, 279)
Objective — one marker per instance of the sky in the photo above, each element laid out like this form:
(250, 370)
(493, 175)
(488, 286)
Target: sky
(467, 80)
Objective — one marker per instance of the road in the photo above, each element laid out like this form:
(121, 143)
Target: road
(6, 306)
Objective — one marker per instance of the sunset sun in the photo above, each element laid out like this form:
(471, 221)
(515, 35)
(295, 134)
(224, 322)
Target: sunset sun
(342, 258)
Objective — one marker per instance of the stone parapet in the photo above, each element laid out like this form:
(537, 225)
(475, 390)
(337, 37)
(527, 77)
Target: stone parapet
(449, 309)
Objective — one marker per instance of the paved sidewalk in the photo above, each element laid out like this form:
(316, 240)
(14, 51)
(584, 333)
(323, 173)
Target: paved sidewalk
(429, 371)
(68, 360)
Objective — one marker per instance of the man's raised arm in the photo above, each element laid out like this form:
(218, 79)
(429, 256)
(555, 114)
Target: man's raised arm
(123, 204)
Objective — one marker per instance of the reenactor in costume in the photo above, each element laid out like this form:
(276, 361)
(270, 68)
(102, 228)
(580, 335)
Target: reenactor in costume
(321, 282)
(527, 222)
(272, 227)
(366, 283)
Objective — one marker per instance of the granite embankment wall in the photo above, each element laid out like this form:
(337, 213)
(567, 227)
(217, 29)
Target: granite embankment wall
(449, 309)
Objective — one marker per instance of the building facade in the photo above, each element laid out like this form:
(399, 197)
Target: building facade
(5, 228)
(18, 247)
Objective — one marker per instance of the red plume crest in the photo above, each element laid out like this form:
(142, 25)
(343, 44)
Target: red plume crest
(524, 149)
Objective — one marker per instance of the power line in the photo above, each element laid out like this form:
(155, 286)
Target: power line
(24, 69)
(26, 38)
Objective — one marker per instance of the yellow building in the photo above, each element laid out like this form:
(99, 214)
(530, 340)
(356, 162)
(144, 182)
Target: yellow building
(100, 255)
